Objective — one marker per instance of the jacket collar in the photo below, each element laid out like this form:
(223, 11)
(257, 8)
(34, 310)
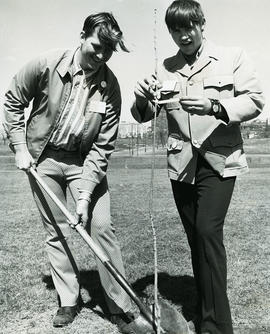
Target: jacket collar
(65, 66)
(179, 63)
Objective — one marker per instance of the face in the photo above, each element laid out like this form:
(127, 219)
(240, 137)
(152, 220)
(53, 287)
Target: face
(188, 40)
(93, 52)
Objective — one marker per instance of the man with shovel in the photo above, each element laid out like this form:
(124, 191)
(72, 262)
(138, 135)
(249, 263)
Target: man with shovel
(206, 91)
(69, 136)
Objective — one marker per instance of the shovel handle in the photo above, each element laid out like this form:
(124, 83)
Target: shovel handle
(70, 218)
(146, 311)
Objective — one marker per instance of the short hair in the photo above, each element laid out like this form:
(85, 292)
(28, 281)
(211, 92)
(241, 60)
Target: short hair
(109, 31)
(181, 13)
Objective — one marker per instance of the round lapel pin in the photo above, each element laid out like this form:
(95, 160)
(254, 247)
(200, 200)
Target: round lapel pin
(103, 84)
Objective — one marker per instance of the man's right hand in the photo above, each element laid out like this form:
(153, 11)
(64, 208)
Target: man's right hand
(23, 158)
(147, 90)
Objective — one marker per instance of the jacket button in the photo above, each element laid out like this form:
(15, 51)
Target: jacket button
(191, 83)
(197, 143)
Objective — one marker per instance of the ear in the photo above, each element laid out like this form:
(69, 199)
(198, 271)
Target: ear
(203, 25)
(82, 36)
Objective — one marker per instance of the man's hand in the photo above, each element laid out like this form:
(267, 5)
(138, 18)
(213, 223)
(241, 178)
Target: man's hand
(196, 105)
(147, 90)
(82, 211)
(23, 158)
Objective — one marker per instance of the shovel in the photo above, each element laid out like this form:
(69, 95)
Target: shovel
(174, 322)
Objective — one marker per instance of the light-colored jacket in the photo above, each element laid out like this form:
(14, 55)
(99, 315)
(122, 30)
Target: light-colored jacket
(221, 73)
(46, 81)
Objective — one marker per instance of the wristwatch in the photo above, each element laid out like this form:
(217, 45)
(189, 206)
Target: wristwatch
(215, 107)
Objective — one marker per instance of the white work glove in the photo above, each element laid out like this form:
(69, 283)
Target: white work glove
(83, 207)
(23, 158)
(82, 211)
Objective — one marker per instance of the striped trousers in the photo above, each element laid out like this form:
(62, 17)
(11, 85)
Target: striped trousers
(61, 170)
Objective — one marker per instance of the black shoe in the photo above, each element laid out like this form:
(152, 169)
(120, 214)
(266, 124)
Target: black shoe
(128, 324)
(65, 315)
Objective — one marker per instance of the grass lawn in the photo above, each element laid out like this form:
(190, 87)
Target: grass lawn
(257, 145)
(28, 299)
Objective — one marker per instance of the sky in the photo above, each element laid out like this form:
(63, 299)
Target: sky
(30, 27)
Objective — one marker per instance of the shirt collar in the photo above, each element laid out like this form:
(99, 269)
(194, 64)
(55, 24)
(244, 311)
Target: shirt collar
(89, 76)
(210, 50)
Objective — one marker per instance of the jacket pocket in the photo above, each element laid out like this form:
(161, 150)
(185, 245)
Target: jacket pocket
(174, 147)
(227, 142)
(228, 136)
(219, 87)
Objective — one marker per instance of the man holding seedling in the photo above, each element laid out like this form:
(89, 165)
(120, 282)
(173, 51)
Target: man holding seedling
(206, 91)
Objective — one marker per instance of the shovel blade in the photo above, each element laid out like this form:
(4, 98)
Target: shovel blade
(172, 321)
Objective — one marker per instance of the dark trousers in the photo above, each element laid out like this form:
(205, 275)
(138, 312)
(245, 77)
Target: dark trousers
(202, 207)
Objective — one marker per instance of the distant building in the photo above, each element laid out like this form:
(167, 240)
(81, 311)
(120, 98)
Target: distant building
(255, 129)
(127, 129)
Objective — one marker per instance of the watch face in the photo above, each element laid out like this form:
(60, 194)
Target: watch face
(215, 108)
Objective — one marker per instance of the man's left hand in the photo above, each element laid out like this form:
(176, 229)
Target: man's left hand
(196, 105)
